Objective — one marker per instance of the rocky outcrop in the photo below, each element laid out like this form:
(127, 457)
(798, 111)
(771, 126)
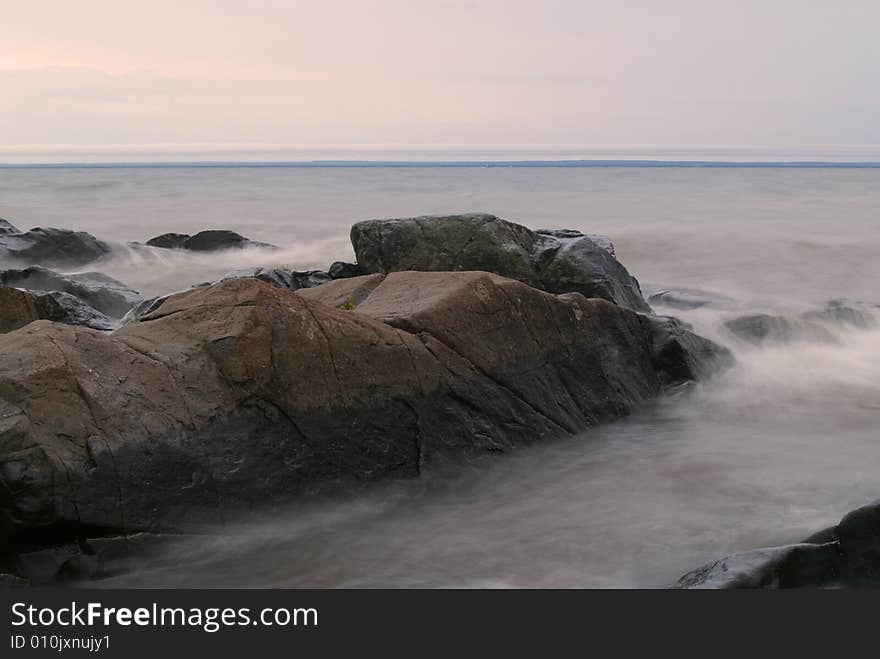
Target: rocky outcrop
(815, 325)
(242, 394)
(19, 308)
(49, 247)
(845, 555)
(556, 261)
(205, 241)
(105, 294)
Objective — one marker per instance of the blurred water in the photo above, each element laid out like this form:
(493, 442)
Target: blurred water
(772, 450)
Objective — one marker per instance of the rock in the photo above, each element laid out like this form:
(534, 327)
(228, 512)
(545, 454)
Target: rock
(282, 278)
(343, 270)
(580, 265)
(763, 328)
(50, 247)
(344, 293)
(844, 312)
(811, 326)
(557, 261)
(8, 228)
(242, 394)
(689, 298)
(205, 241)
(792, 566)
(602, 241)
(680, 355)
(19, 308)
(170, 240)
(845, 555)
(71, 310)
(87, 558)
(143, 308)
(859, 536)
(447, 243)
(109, 296)
(8, 581)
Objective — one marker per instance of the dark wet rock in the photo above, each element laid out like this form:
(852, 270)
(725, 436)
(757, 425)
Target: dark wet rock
(281, 277)
(811, 326)
(19, 308)
(170, 240)
(689, 298)
(763, 328)
(557, 261)
(343, 270)
(210, 240)
(844, 312)
(244, 394)
(681, 355)
(792, 566)
(8, 581)
(71, 310)
(142, 308)
(842, 556)
(7, 228)
(50, 247)
(602, 241)
(109, 296)
(87, 558)
(580, 265)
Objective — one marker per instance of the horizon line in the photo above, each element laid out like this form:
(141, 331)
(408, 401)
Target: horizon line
(562, 163)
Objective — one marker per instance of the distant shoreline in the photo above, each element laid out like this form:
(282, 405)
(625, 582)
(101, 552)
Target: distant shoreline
(449, 164)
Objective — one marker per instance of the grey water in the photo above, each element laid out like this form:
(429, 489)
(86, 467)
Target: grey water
(777, 447)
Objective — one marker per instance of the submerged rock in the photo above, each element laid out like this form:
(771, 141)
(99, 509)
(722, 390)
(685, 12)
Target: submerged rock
(690, 298)
(557, 261)
(205, 241)
(50, 247)
(169, 240)
(109, 296)
(844, 555)
(811, 326)
(243, 394)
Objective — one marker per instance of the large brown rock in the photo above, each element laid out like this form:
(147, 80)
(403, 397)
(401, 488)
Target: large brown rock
(238, 395)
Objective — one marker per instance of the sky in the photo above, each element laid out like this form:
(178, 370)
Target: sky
(469, 74)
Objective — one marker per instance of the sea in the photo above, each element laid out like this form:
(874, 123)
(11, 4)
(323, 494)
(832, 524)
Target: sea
(777, 447)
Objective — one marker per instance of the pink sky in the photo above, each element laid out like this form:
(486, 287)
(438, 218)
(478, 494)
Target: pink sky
(473, 73)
